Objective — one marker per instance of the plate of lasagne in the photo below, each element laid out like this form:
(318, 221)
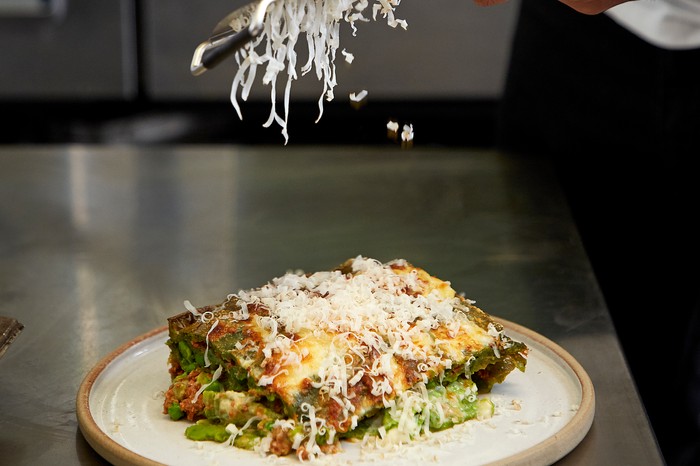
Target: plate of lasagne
(367, 363)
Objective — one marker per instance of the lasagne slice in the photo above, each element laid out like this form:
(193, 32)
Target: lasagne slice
(306, 360)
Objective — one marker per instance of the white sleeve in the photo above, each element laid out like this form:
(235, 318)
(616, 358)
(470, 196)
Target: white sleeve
(670, 24)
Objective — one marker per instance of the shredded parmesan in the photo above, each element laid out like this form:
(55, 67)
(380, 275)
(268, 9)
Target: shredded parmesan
(407, 136)
(235, 431)
(190, 307)
(318, 21)
(349, 57)
(371, 304)
(214, 378)
(360, 96)
(207, 363)
(407, 133)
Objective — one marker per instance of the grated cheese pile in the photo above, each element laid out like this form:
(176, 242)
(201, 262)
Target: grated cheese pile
(373, 300)
(275, 48)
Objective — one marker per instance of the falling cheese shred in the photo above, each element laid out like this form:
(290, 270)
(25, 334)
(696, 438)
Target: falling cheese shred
(288, 22)
(359, 96)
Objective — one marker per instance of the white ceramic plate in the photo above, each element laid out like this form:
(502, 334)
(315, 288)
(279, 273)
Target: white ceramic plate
(540, 416)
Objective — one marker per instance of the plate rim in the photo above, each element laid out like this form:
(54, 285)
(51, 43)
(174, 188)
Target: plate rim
(102, 443)
(545, 452)
(568, 437)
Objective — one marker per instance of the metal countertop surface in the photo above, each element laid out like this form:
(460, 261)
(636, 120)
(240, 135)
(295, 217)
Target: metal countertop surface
(100, 245)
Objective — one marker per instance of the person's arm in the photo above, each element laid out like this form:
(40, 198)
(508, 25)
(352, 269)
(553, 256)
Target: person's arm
(588, 7)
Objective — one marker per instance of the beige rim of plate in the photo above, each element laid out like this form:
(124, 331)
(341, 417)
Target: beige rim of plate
(98, 440)
(544, 453)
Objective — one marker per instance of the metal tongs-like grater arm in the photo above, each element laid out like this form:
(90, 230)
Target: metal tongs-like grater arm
(231, 33)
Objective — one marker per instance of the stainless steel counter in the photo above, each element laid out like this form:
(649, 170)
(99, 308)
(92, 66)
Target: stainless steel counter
(100, 245)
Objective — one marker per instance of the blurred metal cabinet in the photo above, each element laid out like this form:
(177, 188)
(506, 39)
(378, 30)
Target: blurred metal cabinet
(451, 49)
(68, 49)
